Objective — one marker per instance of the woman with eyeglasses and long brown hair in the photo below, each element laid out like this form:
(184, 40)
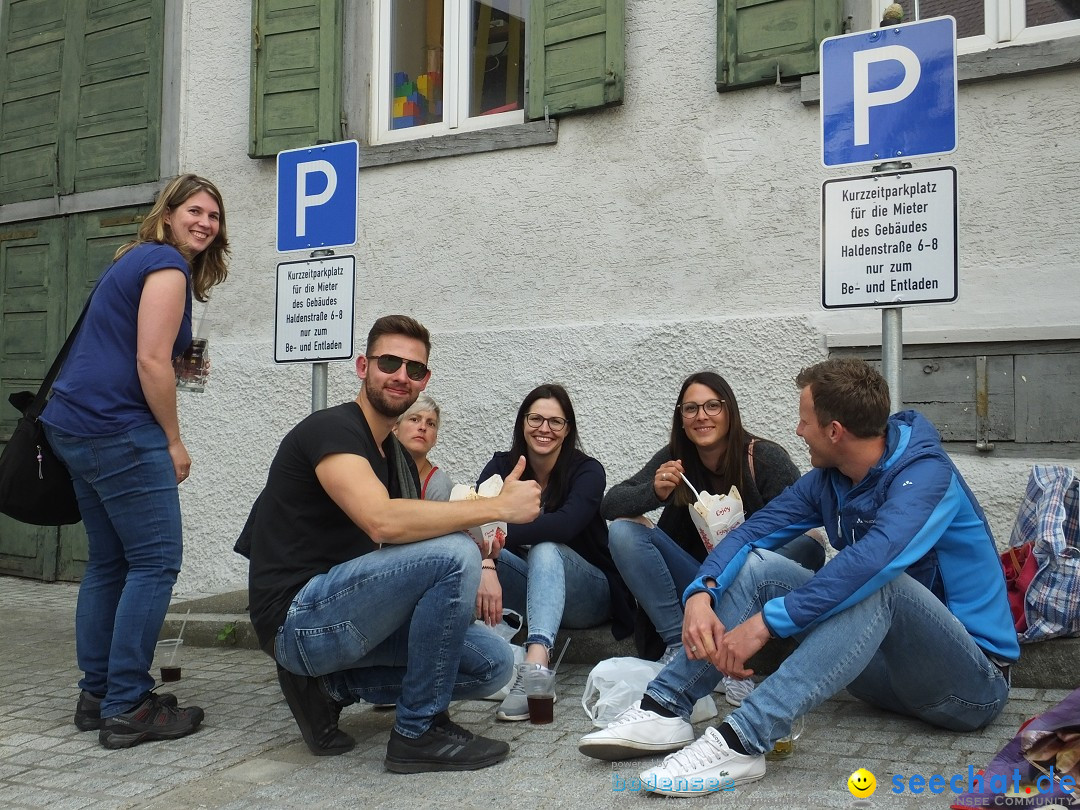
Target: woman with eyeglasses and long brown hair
(710, 446)
(555, 571)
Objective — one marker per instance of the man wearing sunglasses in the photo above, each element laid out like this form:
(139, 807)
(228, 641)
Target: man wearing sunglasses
(360, 592)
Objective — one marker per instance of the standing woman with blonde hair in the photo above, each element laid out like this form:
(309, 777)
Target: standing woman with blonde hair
(112, 420)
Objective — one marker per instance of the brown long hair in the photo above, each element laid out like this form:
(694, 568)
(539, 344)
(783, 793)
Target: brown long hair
(208, 267)
(731, 468)
(558, 487)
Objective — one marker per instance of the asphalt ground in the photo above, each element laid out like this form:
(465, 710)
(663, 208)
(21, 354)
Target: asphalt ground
(248, 752)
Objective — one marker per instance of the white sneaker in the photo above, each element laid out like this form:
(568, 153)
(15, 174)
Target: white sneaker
(706, 766)
(637, 733)
(735, 690)
(669, 655)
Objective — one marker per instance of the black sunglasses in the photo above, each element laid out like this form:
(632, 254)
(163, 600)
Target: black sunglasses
(389, 363)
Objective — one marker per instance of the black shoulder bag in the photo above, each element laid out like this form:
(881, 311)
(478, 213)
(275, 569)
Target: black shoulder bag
(35, 486)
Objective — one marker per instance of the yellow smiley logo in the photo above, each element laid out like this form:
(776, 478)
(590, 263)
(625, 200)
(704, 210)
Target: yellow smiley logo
(862, 784)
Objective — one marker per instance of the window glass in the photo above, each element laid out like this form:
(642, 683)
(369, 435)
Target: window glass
(970, 14)
(1045, 12)
(416, 63)
(497, 57)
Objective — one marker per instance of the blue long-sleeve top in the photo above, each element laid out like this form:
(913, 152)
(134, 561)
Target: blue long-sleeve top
(913, 513)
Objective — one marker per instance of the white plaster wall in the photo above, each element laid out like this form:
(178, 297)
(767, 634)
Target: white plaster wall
(678, 231)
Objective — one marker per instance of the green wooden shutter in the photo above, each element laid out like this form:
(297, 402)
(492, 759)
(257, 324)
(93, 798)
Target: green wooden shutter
(115, 70)
(755, 37)
(32, 44)
(576, 55)
(295, 74)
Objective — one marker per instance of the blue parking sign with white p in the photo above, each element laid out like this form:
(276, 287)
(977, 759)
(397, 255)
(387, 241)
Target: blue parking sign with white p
(889, 94)
(317, 196)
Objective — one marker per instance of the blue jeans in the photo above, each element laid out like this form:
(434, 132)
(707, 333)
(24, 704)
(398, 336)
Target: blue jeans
(657, 570)
(396, 625)
(899, 648)
(130, 506)
(537, 585)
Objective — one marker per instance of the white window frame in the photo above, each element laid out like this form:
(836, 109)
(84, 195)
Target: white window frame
(1005, 22)
(457, 25)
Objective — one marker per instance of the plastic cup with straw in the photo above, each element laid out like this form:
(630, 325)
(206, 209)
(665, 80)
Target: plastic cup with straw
(540, 691)
(169, 653)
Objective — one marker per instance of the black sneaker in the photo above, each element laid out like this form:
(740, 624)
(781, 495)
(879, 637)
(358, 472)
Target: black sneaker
(88, 709)
(445, 746)
(150, 720)
(316, 713)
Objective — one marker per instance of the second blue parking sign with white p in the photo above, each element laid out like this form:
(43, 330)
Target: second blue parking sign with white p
(889, 94)
(317, 196)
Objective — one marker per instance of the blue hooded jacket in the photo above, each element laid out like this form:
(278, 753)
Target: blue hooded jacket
(912, 513)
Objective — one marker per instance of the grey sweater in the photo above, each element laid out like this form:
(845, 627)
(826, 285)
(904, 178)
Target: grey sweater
(774, 471)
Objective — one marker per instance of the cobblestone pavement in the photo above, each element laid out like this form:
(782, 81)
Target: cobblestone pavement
(248, 752)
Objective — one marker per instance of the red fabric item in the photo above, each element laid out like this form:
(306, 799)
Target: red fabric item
(1019, 565)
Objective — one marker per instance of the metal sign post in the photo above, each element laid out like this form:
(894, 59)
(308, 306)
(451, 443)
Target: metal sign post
(317, 203)
(889, 95)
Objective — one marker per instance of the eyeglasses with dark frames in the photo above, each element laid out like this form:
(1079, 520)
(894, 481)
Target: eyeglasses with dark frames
(556, 423)
(689, 410)
(389, 363)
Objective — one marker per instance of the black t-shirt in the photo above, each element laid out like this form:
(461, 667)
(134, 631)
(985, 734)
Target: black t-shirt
(298, 532)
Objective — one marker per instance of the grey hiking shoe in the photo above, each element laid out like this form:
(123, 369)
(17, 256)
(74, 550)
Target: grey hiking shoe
(515, 706)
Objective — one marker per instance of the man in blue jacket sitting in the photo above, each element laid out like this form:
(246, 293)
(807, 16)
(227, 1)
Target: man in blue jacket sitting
(910, 615)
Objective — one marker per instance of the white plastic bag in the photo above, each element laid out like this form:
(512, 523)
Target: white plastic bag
(506, 630)
(616, 684)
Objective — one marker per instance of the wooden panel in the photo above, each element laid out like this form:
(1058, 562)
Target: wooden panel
(117, 75)
(1048, 397)
(27, 551)
(944, 390)
(296, 74)
(31, 289)
(32, 45)
(576, 55)
(755, 38)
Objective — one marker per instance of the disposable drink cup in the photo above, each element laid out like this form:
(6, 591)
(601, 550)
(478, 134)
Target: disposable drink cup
(193, 366)
(169, 655)
(540, 691)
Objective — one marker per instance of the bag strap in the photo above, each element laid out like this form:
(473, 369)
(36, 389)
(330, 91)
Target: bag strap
(34, 409)
(750, 457)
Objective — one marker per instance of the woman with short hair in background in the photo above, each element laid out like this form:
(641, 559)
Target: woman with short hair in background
(418, 429)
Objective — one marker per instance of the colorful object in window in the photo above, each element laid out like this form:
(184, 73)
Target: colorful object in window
(416, 102)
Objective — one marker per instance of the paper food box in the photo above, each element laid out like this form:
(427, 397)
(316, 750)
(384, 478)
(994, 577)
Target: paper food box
(716, 515)
(484, 535)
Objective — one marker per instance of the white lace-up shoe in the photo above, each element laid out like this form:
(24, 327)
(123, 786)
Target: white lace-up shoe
(706, 766)
(637, 733)
(736, 690)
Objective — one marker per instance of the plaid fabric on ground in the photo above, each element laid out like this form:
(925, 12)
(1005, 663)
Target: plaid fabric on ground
(1049, 518)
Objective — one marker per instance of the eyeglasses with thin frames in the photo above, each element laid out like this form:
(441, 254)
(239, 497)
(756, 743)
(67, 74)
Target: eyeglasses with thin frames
(556, 423)
(689, 410)
(389, 363)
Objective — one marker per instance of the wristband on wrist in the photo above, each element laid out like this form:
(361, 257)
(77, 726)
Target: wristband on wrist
(484, 564)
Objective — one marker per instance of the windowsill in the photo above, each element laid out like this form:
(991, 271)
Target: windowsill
(995, 63)
(531, 133)
(955, 336)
